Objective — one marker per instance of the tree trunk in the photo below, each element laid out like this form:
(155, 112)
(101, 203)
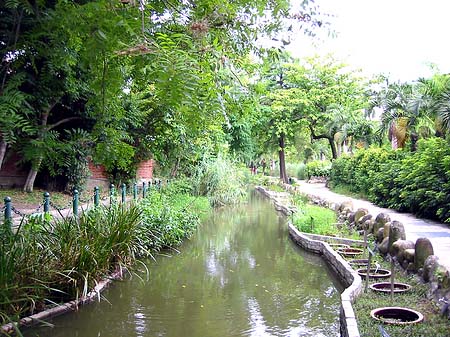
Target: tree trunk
(333, 147)
(36, 164)
(414, 138)
(29, 183)
(330, 139)
(283, 174)
(173, 172)
(3, 147)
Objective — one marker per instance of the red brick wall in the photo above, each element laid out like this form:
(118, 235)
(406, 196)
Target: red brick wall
(97, 171)
(98, 177)
(145, 170)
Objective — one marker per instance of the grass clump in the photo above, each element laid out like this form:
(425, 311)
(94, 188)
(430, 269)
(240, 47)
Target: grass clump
(47, 261)
(318, 220)
(297, 170)
(170, 218)
(315, 219)
(220, 180)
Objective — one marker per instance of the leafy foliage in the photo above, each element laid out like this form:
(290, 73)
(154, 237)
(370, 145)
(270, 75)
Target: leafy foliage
(416, 182)
(318, 168)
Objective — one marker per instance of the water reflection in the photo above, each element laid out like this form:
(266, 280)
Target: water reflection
(239, 276)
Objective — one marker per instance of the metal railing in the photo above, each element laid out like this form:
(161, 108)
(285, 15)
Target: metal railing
(45, 207)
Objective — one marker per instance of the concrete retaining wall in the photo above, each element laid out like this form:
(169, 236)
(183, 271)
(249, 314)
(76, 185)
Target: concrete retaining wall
(316, 244)
(348, 277)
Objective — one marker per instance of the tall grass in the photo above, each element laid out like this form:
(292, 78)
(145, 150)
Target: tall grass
(20, 286)
(54, 260)
(220, 180)
(170, 217)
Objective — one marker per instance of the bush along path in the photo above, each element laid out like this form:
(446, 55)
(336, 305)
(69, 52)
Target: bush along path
(47, 261)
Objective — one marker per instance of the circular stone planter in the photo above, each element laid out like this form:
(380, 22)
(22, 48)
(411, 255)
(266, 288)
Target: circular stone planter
(359, 262)
(396, 315)
(385, 287)
(348, 252)
(374, 273)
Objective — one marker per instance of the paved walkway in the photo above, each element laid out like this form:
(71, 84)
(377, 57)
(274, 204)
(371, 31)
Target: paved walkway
(438, 233)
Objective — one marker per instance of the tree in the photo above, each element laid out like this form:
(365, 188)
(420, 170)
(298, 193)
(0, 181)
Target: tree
(332, 98)
(280, 106)
(93, 64)
(413, 110)
(319, 95)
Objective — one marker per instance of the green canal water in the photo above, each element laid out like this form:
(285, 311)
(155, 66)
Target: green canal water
(239, 275)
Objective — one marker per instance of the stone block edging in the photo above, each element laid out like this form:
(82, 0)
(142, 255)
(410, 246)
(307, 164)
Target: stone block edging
(63, 308)
(349, 278)
(333, 239)
(345, 273)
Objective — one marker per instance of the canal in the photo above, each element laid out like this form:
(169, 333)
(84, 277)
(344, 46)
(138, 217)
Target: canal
(239, 275)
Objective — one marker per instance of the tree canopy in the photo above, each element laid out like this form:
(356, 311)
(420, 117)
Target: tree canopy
(122, 81)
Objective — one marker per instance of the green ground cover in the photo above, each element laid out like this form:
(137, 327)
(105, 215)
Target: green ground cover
(318, 220)
(434, 324)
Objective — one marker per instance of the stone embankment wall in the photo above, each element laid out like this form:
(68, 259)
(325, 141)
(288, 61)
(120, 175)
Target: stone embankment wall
(389, 235)
(319, 244)
(391, 242)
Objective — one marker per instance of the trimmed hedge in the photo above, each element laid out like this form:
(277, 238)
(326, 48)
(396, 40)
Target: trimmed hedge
(416, 182)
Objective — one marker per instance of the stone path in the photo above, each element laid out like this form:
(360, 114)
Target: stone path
(438, 233)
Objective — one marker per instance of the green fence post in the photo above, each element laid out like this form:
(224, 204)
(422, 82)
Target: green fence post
(124, 192)
(46, 202)
(135, 190)
(143, 190)
(8, 206)
(96, 196)
(111, 194)
(75, 203)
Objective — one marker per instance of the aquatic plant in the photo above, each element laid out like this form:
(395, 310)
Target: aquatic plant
(220, 180)
(53, 260)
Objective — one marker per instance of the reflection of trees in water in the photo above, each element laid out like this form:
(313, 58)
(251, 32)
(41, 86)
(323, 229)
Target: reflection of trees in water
(240, 272)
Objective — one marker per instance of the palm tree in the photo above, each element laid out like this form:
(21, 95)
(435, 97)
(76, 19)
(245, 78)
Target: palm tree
(415, 110)
(348, 127)
(436, 99)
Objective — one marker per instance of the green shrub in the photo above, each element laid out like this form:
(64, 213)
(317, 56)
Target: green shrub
(417, 182)
(342, 171)
(318, 168)
(169, 218)
(425, 177)
(296, 170)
